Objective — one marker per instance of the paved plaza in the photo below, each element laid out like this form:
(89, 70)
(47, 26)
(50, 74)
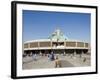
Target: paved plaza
(66, 61)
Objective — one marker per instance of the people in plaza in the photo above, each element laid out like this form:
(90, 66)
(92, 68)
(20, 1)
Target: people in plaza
(34, 57)
(64, 54)
(49, 57)
(52, 57)
(57, 62)
(24, 55)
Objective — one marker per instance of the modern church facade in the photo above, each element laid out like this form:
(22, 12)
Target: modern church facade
(56, 43)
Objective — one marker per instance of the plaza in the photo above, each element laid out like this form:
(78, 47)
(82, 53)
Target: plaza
(43, 62)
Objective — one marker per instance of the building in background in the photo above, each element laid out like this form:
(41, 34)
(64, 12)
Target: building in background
(57, 43)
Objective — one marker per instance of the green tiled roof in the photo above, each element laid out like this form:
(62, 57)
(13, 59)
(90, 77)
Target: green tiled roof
(58, 35)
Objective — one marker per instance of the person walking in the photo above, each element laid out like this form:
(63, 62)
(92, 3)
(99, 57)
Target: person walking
(57, 62)
(52, 56)
(34, 57)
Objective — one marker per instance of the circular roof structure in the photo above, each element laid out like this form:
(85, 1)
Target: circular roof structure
(58, 35)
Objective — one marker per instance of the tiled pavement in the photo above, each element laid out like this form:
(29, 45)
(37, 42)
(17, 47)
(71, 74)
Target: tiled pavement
(66, 61)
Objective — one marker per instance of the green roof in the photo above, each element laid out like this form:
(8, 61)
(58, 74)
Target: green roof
(57, 35)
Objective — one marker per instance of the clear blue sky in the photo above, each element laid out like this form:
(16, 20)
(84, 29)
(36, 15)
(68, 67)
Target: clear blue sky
(40, 24)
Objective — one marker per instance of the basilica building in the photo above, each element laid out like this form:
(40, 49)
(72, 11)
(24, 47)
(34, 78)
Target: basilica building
(57, 43)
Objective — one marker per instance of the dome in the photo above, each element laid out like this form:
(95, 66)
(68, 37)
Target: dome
(58, 35)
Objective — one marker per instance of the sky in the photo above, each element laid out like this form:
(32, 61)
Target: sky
(41, 24)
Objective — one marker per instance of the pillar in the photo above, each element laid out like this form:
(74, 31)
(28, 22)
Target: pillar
(84, 45)
(51, 45)
(76, 44)
(38, 45)
(28, 45)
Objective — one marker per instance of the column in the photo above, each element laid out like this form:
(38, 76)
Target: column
(84, 45)
(76, 44)
(38, 44)
(51, 44)
(28, 45)
(65, 44)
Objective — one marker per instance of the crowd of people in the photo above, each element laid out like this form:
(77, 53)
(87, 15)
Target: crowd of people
(51, 57)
